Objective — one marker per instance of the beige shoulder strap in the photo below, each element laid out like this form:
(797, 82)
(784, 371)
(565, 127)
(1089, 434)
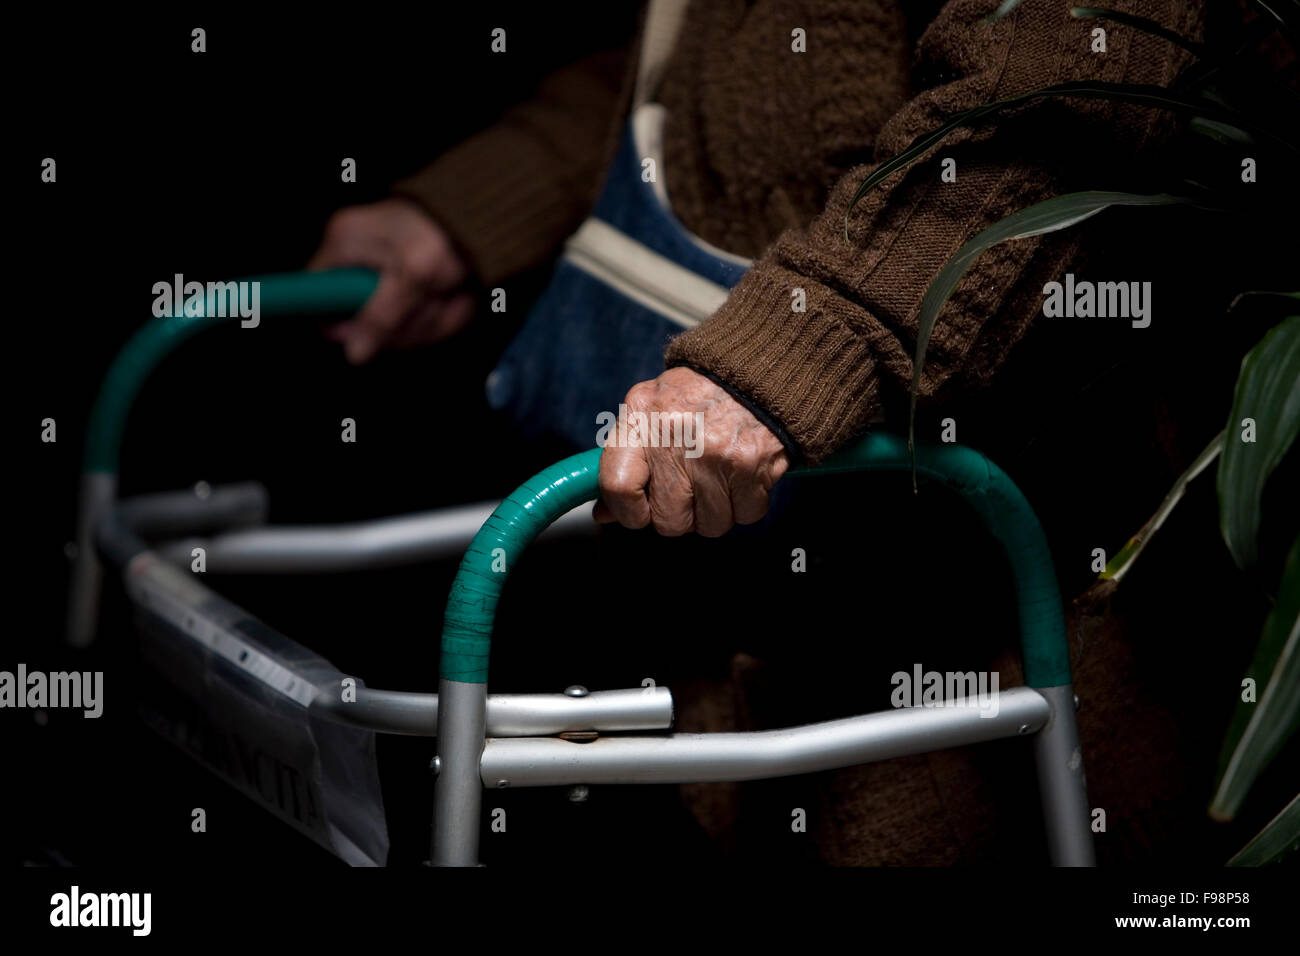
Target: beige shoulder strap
(662, 21)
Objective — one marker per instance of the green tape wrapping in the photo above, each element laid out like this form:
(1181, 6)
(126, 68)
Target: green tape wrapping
(1007, 515)
(471, 607)
(292, 293)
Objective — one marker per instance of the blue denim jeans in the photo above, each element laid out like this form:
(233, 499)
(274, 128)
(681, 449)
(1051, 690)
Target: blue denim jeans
(585, 342)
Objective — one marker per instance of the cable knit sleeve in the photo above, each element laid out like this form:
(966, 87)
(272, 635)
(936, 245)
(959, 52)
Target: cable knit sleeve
(510, 195)
(822, 373)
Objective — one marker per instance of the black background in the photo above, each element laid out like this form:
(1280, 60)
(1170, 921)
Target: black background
(227, 164)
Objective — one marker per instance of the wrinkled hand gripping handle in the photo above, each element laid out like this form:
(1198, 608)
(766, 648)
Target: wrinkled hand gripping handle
(291, 293)
(471, 607)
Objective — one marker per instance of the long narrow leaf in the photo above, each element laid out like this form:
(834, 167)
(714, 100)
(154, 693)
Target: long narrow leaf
(1277, 13)
(1051, 215)
(1259, 729)
(1268, 393)
(1281, 298)
(1279, 838)
(1256, 33)
(1119, 565)
(1285, 12)
(1003, 9)
(1141, 23)
(1141, 94)
(1216, 65)
(1220, 132)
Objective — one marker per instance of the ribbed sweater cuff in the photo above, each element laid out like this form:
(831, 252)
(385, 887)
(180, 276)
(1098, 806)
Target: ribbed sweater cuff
(500, 211)
(811, 371)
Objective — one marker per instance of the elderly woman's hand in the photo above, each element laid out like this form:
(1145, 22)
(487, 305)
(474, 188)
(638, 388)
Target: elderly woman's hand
(421, 297)
(717, 469)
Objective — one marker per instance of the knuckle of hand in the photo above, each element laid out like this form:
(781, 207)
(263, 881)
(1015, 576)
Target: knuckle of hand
(749, 461)
(621, 482)
(338, 226)
(671, 528)
(640, 395)
(418, 263)
(729, 459)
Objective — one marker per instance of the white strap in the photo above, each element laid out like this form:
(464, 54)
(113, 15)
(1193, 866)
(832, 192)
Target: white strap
(643, 275)
(662, 21)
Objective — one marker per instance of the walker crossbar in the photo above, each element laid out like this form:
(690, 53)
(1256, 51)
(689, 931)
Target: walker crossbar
(156, 571)
(468, 760)
(760, 755)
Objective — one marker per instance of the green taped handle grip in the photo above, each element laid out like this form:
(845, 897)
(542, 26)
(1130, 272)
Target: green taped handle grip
(471, 607)
(290, 293)
(295, 293)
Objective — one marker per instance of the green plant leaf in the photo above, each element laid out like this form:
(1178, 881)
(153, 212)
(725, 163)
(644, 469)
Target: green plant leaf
(1277, 13)
(1258, 730)
(1003, 8)
(1285, 12)
(1119, 565)
(1279, 838)
(1239, 64)
(1280, 298)
(1051, 215)
(1268, 392)
(1141, 23)
(1220, 132)
(1141, 94)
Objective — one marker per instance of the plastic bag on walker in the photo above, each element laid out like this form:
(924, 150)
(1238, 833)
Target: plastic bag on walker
(236, 695)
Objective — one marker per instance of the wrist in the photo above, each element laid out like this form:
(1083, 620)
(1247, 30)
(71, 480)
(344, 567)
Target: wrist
(792, 449)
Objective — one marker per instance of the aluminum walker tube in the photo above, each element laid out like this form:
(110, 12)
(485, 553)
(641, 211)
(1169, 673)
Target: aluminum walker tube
(471, 610)
(377, 543)
(294, 293)
(120, 539)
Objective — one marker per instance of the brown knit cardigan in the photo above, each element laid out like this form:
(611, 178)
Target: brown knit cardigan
(764, 147)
